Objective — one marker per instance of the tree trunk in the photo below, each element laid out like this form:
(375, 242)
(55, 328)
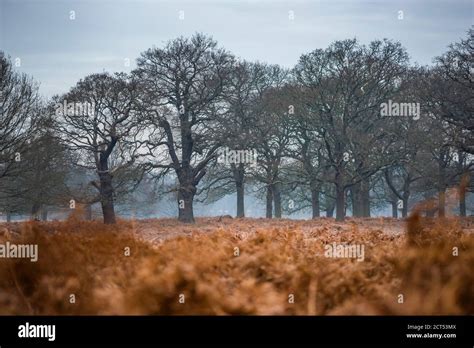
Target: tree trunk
(462, 201)
(44, 214)
(9, 216)
(269, 208)
(35, 211)
(442, 203)
(107, 197)
(462, 184)
(360, 197)
(277, 199)
(356, 200)
(330, 209)
(340, 202)
(441, 187)
(240, 200)
(315, 202)
(406, 196)
(239, 174)
(186, 194)
(365, 197)
(395, 209)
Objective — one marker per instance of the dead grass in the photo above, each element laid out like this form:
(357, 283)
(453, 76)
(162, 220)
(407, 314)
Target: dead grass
(275, 259)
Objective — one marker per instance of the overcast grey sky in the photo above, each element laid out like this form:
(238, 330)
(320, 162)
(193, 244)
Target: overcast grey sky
(58, 51)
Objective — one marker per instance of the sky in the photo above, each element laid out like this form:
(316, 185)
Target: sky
(60, 42)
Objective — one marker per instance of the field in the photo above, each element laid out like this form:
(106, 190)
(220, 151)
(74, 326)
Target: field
(225, 266)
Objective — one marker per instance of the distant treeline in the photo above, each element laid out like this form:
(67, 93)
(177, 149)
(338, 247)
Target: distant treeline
(349, 127)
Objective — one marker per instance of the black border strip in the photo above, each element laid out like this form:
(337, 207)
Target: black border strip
(195, 330)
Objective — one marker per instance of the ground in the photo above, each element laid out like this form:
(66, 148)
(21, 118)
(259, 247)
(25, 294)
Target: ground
(222, 266)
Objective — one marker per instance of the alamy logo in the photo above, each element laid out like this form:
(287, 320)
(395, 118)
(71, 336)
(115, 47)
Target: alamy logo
(37, 331)
(394, 109)
(347, 251)
(74, 109)
(227, 156)
(20, 251)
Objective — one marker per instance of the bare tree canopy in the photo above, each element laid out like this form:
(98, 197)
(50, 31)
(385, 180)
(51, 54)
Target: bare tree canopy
(350, 128)
(98, 118)
(183, 85)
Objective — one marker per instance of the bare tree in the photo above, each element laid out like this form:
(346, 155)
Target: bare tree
(411, 136)
(272, 135)
(446, 160)
(44, 170)
(307, 148)
(182, 85)
(345, 86)
(19, 104)
(248, 101)
(455, 94)
(98, 120)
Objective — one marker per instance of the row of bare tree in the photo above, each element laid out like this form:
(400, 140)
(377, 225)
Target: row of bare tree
(349, 126)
